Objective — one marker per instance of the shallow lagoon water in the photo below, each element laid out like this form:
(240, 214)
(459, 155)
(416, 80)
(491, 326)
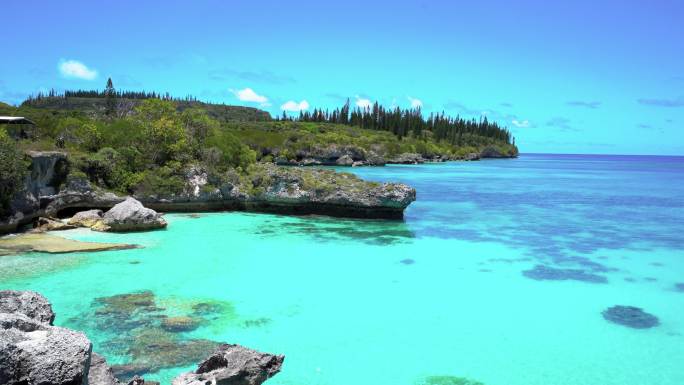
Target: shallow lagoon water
(442, 293)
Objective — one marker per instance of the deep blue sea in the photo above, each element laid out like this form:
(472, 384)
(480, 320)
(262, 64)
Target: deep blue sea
(498, 275)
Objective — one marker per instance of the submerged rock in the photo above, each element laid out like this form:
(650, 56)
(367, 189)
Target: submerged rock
(153, 349)
(46, 243)
(28, 303)
(407, 261)
(259, 322)
(542, 272)
(131, 215)
(448, 380)
(180, 324)
(87, 218)
(679, 287)
(630, 316)
(142, 331)
(233, 364)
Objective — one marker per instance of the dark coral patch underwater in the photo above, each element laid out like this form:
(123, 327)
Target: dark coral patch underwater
(547, 273)
(447, 380)
(372, 232)
(630, 316)
(146, 335)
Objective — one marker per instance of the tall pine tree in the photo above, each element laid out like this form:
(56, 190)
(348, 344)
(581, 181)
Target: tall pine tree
(110, 98)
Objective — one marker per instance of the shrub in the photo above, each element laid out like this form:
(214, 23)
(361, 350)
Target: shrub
(12, 171)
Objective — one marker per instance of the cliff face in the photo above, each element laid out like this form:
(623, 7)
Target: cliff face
(50, 189)
(289, 190)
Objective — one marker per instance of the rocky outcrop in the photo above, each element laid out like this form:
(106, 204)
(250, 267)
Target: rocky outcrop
(493, 152)
(344, 160)
(233, 364)
(87, 218)
(49, 170)
(49, 188)
(33, 352)
(50, 224)
(331, 155)
(100, 373)
(293, 190)
(407, 158)
(266, 188)
(131, 215)
(28, 303)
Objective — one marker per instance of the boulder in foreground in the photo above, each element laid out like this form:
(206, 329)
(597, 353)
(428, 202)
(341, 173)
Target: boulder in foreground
(28, 303)
(131, 215)
(235, 365)
(32, 351)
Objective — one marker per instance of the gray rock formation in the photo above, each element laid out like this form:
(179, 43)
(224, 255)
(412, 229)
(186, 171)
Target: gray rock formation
(309, 192)
(493, 152)
(131, 215)
(35, 353)
(344, 160)
(32, 351)
(233, 365)
(100, 373)
(87, 218)
(49, 188)
(407, 158)
(28, 303)
(48, 171)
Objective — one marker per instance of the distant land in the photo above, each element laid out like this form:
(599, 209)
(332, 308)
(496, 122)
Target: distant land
(185, 155)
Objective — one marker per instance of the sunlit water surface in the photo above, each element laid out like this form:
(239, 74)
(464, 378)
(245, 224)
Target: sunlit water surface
(441, 293)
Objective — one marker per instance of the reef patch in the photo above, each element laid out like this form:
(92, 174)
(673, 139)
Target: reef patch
(630, 316)
(447, 380)
(547, 273)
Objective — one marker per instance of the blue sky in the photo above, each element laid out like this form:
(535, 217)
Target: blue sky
(572, 77)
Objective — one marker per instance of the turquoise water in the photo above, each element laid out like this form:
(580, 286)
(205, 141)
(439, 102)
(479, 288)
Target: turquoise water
(441, 293)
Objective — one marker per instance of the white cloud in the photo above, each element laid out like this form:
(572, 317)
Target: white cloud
(248, 95)
(362, 102)
(415, 103)
(293, 106)
(521, 123)
(76, 69)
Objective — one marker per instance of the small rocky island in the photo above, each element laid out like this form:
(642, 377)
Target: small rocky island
(51, 191)
(35, 352)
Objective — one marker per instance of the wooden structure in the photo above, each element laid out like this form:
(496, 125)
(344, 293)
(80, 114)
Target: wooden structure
(18, 127)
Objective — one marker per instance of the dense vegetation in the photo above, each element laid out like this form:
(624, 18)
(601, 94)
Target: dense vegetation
(12, 170)
(410, 122)
(136, 142)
